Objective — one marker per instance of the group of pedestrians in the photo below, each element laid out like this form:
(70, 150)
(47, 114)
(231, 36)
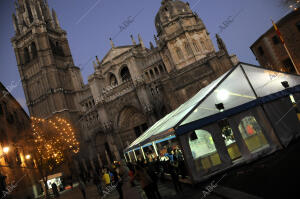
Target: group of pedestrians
(124, 177)
(104, 179)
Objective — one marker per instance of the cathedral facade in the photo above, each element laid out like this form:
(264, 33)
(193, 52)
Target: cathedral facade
(132, 86)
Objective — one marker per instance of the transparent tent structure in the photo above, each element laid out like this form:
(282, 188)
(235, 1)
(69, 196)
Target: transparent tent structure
(242, 87)
(245, 114)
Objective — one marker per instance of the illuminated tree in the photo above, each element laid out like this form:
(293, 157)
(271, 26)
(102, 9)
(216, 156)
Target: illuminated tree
(54, 142)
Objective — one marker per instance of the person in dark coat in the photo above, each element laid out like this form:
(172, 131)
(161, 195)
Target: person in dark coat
(55, 190)
(173, 169)
(82, 189)
(154, 177)
(117, 180)
(97, 181)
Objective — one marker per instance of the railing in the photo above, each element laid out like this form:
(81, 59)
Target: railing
(111, 93)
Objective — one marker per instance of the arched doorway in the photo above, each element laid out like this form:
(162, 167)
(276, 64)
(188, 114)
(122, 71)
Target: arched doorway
(131, 124)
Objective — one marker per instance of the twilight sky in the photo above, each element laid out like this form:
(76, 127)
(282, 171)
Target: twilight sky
(90, 24)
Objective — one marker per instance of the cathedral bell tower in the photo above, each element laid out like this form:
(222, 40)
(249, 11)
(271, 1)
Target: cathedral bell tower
(49, 78)
(182, 36)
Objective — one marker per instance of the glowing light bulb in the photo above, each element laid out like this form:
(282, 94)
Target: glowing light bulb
(6, 149)
(223, 95)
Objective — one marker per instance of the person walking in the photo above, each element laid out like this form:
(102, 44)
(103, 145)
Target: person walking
(129, 191)
(145, 181)
(117, 180)
(106, 177)
(55, 190)
(173, 169)
(82, 188)
(97, 182)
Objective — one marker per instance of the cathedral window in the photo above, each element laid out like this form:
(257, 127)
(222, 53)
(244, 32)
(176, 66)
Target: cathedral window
(125, 74)
(56, 48)
(203, 45)
(188, 49)
(161, 68)
(147, 75)
(26, 55)
(33, 50)
(59, 49)
(179, 53)
(113, 80)
(156, 71)
(196, 46)
(152, 74)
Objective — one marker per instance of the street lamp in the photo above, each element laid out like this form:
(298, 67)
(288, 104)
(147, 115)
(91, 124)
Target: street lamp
(6, 149)
(27, 157)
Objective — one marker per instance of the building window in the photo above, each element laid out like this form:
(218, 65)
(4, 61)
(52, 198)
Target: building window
(152, 74)
(156, 71)
(298, 26)
(137, 131)
(113, 80)
(26, 55)
(196, 46)
(188, 49)
(204, 45)
(275, 40)
(288, 65)
(161, 69)
(147, 75)
(179, 53)
(125, 74)
(261, 50)
(33, 50)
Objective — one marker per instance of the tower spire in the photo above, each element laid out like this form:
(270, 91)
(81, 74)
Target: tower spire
(151, 45)
(141, 41)
(56, 22)
(132, 39)
(155, 38)
(15, 24)
(111, 43)
(221, 44)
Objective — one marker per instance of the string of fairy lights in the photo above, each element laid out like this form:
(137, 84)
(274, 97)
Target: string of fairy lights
(53, 138)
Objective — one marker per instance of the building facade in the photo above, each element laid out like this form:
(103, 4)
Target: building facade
(132, 86)
(16, 164)
(269, 50)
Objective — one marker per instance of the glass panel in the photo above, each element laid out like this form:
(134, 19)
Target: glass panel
(232, 92)
(227, 134)
(203, 150)
(252, 134)
(266, 82)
